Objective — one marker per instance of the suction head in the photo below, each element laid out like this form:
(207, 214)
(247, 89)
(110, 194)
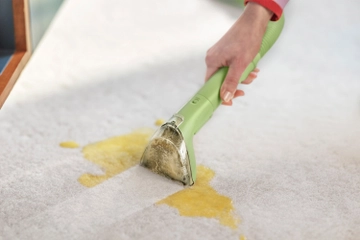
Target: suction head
(166, 154)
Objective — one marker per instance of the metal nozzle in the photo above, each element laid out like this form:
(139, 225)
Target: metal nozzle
(166, 153)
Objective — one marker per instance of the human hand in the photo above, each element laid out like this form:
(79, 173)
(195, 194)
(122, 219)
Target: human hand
(237, 48)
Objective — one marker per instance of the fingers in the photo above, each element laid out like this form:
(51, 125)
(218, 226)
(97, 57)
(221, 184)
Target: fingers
(229, 103)
(251, 77)
(212, 63)
(209, 72)
(229, 87)
(238, 93)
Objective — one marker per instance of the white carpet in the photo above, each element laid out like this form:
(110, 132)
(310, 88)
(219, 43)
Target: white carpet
(287, 154)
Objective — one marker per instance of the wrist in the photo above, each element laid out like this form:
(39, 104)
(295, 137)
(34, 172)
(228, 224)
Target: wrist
(257, 14)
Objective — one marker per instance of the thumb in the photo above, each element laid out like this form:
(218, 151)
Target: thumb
(230, 83)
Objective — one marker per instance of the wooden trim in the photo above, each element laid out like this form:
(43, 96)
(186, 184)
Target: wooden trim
(21, 25)
(11, 73)
(22, 49)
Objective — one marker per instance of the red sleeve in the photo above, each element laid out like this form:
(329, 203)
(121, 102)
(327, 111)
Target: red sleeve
(271, 5)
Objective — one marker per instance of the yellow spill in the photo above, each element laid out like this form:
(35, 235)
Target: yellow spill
(159, 122)
(201, 200)
(69, 144)
(115, 155)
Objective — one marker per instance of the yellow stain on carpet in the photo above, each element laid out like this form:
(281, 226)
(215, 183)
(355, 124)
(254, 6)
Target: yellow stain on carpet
(115, 155)
(69, 144)
(201, 200)
(159, 122)
(242, 237)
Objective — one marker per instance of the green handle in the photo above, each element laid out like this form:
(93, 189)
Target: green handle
(211, 90)
(201, 107)
(197, 111)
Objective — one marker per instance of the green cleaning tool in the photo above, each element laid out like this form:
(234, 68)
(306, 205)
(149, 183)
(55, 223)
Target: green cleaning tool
(170, 151)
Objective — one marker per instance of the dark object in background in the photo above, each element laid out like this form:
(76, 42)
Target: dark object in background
(15, 45)
(22, 25)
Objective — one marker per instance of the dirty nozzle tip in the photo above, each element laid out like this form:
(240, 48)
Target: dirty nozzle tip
(166, 155)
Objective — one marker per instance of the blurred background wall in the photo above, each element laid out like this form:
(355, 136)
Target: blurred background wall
(41, 14)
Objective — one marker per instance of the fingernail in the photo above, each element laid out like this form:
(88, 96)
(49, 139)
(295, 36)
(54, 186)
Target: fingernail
(227, 96)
